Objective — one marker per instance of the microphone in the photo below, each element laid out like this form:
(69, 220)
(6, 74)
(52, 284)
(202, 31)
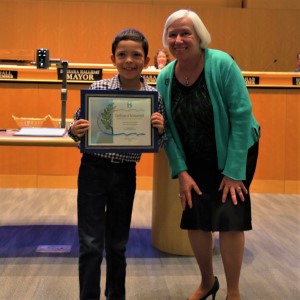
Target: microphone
(269, 65)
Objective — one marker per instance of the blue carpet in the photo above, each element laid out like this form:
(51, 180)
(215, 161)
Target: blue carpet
(23, 241)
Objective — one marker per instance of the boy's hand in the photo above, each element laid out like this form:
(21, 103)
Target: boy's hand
(80, 127)
(157, 121)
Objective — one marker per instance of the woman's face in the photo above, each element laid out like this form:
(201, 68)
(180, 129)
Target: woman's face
(161, 60)
(183, 40)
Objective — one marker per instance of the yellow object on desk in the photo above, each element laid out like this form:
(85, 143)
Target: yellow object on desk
(57, 121)
(47, 121)
(29, 122)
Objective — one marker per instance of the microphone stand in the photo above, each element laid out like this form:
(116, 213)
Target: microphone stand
(64, 94)
(268, 66)
(64, 65)
(43, 62)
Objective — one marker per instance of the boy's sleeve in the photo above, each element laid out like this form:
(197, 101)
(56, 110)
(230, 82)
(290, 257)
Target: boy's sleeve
(70, 134)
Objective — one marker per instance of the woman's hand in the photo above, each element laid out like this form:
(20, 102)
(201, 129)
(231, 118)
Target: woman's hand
(234, 187)
(80, 127)
(186, 184)
(157, 121)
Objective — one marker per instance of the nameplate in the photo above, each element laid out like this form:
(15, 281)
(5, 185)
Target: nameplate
(251, 80)
(150, 78)
(296, 81)
(8, 74)
(76, 74)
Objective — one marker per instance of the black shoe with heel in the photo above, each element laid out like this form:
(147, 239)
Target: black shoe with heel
(213, 291)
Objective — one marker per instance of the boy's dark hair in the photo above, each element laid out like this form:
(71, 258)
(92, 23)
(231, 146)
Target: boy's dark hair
(130, 34)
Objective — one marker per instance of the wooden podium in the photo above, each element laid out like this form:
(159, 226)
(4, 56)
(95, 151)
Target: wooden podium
(166, 211)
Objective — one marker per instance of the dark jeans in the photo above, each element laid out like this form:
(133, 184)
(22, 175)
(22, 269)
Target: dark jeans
(105, 199)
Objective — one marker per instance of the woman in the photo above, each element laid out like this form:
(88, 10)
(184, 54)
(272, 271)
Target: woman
(161, 59)
(212, 147)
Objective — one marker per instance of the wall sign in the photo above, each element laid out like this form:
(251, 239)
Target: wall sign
(76, 74)
(150, 78)
(5, 74)
(251, 80)
(296, 80)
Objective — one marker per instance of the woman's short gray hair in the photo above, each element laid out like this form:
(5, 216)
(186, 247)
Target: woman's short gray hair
(200, 28)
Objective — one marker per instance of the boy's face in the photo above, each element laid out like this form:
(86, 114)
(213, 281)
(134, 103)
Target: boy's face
(130, 59)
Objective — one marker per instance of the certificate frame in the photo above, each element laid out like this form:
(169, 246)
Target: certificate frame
(120, 121)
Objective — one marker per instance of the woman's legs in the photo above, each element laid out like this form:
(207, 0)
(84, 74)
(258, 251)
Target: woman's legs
(232, 251)
(201, 242)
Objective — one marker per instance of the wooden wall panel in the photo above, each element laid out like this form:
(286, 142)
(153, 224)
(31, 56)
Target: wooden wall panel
(82, 31)
(278, 168)
(272, 4)
(18, 160)
(210, 3)
(36, 100)
(270, 109)
(18, 105)
(58, 161)
(292, 140)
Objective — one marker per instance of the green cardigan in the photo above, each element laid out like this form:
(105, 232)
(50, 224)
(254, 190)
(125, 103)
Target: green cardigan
(236, 129)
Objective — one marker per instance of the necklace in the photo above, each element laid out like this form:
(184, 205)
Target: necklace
(187, 77)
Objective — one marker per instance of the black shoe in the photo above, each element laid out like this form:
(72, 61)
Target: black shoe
(213, 291)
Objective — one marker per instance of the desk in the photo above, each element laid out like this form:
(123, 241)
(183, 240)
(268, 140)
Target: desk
(8, 139)
(40, 162)
(36, 93)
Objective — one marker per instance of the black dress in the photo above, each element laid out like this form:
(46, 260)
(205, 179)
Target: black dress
(192, 112)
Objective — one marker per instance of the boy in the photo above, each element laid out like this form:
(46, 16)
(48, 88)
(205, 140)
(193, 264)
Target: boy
(107, 181)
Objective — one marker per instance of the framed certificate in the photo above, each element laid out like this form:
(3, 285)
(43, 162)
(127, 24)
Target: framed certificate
(120, 121)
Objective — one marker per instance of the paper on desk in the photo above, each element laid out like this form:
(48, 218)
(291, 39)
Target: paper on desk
(41, 131)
